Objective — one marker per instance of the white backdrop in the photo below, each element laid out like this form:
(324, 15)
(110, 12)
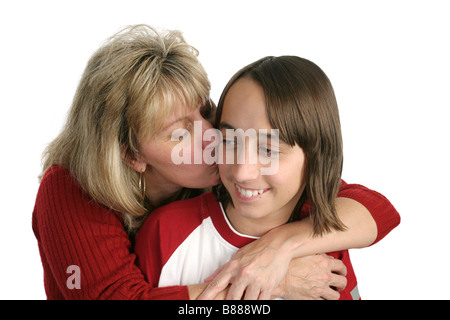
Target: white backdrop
(388, 62)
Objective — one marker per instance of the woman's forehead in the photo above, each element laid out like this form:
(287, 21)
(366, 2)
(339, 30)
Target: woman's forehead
(179, 112)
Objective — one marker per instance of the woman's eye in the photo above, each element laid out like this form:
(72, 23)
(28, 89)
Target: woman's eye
(179, 134)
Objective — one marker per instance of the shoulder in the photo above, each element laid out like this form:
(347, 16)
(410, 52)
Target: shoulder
(56, 186)
(358, 192)
(60, 196)
(54, 175)
(195, 208)
(182, 217)
(58, 179)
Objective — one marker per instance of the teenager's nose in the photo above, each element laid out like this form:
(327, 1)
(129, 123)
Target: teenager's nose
(245, 172)
(246, 167)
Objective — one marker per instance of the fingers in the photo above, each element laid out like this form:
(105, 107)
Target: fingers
(339, 282)
(241, 287)
(339, 271)
(330, 294)
(264, 295)
(250, 291)
(252, 276)
(211, 277)
(217, 285)
(244, 286)
(237, 290)
(338, 267)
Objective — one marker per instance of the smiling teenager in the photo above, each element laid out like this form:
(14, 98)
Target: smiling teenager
(260, 202)
(280, 109)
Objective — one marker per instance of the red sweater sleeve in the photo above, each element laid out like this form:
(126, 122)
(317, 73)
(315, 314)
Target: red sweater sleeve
(72, 230)
(383, 212)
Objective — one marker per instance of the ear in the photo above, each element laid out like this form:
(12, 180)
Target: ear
(134, 162)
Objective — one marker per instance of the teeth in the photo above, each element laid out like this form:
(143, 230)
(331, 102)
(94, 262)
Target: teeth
(249, 193)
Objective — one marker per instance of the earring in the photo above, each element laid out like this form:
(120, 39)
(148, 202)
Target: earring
(142, 186)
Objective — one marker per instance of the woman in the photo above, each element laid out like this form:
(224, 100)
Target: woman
(110, 167)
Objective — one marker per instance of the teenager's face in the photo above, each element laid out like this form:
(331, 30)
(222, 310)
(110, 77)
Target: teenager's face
(261, 202)
(156, 154)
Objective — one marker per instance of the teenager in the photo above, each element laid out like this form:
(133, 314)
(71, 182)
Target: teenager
(185, 242)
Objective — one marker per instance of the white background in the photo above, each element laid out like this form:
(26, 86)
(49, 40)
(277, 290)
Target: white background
(388, 62)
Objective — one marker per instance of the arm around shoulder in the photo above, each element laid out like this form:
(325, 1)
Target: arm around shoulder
(381, 210)
(367, 215)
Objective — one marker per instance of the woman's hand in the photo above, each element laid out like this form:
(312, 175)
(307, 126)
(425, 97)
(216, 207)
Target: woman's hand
(254, 271)
(260, 270)
(314, 277)
(251, 276)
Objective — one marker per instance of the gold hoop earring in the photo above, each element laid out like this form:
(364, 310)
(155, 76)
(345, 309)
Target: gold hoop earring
(142, 186)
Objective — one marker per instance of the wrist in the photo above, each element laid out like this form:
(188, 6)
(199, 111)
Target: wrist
(290, 239)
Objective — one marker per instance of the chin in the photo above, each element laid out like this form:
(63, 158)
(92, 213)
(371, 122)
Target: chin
(202, 178)
(196, 184)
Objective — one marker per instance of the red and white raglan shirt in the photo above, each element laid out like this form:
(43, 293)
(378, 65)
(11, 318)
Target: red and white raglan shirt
(186, 241)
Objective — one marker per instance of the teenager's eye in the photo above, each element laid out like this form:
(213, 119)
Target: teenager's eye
(268, 152)
(232, 142)
(229, 142)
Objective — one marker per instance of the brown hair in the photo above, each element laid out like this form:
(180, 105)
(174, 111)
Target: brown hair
(127, 90)
(301, 104)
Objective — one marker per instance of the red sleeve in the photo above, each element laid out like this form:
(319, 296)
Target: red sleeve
(383, 212)
(148, 250)
(71, 229)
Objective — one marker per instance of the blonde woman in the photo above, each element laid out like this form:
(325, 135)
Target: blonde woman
(111, 166)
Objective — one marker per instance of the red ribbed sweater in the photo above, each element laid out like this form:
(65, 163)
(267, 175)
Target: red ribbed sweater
(73, 230)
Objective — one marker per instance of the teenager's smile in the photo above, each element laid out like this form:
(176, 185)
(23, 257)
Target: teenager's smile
(247, 194)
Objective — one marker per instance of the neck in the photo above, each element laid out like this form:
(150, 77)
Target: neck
(161, 192)
(258, 222)
(256, 227)
(159, 198)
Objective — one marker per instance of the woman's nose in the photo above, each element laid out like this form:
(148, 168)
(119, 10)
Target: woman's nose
(209, 135)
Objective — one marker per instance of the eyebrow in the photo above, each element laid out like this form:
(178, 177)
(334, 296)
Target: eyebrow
(173, 122)
(224, 125)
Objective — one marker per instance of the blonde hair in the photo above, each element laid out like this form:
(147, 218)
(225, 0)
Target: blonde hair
(129, 87)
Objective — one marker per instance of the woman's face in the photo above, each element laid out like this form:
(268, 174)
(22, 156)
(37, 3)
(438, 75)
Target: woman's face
(261, 202)
(162, 174)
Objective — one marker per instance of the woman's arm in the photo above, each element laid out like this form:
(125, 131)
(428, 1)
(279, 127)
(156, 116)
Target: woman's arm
(73, 230)
(367, 215)
(380, 208)
(298, 240)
